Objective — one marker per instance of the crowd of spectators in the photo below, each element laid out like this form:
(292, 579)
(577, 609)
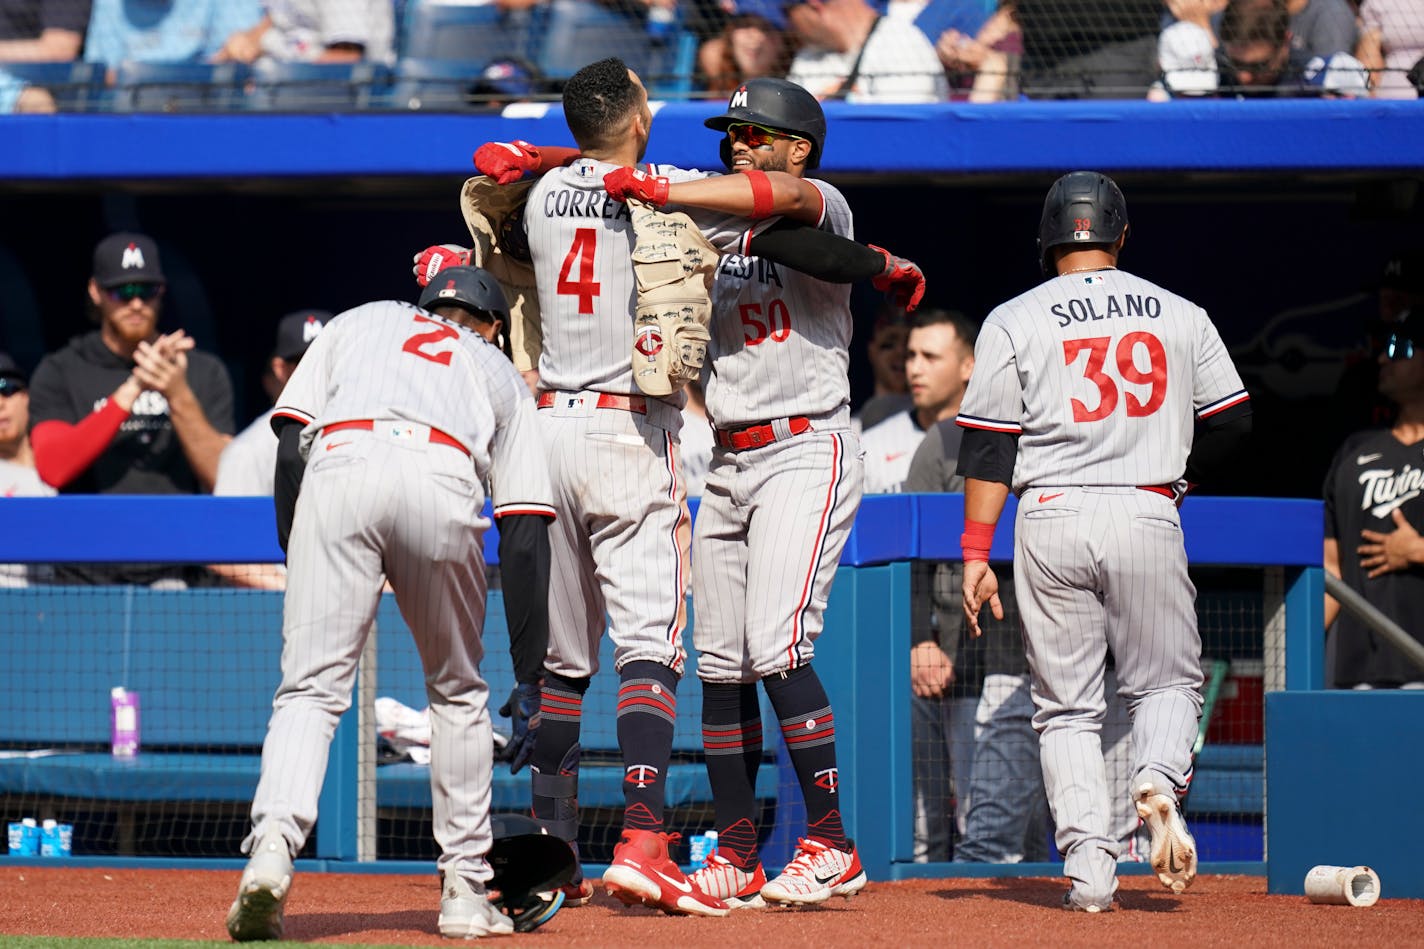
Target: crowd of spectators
(856, 50)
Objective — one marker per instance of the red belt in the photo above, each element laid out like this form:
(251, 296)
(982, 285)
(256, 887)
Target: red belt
(437, 437)
(1163, 489)
(606, 400)
(755, 436)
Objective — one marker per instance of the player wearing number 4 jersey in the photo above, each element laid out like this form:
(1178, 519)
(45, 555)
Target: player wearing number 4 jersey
(1083, 402)
(620, 546)
(777, 507)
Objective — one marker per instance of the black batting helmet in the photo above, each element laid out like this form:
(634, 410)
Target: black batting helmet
(470, 288)
(777, 104)
(530, 869)
(1082, 207)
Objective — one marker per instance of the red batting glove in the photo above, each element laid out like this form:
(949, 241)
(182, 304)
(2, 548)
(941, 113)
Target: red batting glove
(902, 280)
(625, 183)
(432, 260)
(506, 162)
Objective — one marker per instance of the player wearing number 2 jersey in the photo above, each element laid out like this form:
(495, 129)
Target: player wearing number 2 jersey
(386, 432)
(1083, 400)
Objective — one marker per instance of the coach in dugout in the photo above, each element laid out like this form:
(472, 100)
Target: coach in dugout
(125, 410)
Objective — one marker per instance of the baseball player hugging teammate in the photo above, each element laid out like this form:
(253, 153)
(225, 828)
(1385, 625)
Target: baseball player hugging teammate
(621, 542)
(1083, 402)
(391, 396)
(780, 498)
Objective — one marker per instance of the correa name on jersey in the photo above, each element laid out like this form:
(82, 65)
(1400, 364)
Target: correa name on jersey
(579, 202)
(746, 268)
(1085, 309)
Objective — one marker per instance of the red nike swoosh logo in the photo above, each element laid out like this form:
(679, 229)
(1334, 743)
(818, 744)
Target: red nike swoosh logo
(1044, 498)
(331, 445)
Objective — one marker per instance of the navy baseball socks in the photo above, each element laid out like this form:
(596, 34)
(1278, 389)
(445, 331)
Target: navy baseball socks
(826, 863)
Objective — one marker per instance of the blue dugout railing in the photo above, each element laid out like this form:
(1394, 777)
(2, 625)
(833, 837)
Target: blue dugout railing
(864, 659)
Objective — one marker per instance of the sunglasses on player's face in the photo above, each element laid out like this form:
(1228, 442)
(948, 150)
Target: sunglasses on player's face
(125, 292)
(10, 386)
(755, 136)
(1399, 347)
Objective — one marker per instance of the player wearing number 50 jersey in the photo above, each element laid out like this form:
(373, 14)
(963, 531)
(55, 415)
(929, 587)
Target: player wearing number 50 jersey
(777, 506)
(1085, 394)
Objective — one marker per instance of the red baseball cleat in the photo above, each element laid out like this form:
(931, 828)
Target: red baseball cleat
(642, 872)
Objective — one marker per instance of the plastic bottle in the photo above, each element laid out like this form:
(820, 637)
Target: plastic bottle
(123, 720)
(661, 22)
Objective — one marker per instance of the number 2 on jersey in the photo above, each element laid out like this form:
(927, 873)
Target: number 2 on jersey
(421, 344)
(1096, 347)
(580, 255)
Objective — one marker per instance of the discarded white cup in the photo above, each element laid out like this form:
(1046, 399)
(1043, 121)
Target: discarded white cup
(1342, 886)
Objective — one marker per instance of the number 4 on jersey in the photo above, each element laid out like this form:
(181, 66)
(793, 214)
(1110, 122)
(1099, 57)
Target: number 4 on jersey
(585, 287)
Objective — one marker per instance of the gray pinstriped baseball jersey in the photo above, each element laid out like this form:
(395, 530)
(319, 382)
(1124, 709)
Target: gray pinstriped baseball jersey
(581, 241)
(773, 520)
(391, 503)
(620, 547)
(1100, 372)
(780, 339)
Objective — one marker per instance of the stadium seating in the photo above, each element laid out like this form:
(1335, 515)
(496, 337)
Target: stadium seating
(76, 86)
(433, 83)
(315, 87)
(177, 87)
(473, 34)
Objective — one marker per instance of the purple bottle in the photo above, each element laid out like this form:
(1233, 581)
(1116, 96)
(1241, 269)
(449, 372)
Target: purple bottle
(123, 720)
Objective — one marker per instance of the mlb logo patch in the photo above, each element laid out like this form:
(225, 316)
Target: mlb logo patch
(1082, 235)
(1092, 279)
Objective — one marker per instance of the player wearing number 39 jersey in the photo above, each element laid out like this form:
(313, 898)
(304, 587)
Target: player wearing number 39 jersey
(1085, 395)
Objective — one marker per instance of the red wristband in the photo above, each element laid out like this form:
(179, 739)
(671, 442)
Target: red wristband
(762, 200)
(976, 540)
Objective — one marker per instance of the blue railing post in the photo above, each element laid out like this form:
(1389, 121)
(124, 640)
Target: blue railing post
(1305, 628)
(336, 830)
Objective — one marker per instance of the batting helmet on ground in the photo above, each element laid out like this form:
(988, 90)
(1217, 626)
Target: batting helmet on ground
(530, 868)
(470, 288)
(1082, 207)
(777, 104)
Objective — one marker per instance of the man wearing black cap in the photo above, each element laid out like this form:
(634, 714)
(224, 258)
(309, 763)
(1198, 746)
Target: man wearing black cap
(123, 409)
(250, 458)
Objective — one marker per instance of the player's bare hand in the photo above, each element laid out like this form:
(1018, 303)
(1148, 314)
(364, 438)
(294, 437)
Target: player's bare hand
(1391, 552)
(624, 183)
(901, 280)
(436, 258)
(931, 671)
(980, 587)
(506, 162)
(522, 710)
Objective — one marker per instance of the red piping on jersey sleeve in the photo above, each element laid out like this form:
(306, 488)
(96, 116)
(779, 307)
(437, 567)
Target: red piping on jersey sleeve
(1226, 403)
(988, 425)
(63, 451)
(539, 510)
(821, 216)
(292, 415)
